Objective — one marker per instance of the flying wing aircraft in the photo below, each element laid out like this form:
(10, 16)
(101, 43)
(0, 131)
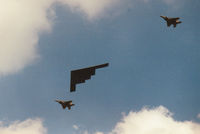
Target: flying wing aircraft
(171, 21)
(80, 75)
(65, 104)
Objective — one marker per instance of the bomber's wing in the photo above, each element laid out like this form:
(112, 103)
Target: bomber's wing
(80, 75)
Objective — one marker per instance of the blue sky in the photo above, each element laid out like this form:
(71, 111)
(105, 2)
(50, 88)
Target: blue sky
(150, 64)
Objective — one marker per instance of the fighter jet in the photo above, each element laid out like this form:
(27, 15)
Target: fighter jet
(65, 104)
(171, 21)
(80, 75)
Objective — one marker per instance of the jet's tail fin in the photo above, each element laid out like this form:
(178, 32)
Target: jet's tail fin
(69, 107)
(179, 22)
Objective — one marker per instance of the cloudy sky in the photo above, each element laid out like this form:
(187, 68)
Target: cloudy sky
(150, 87)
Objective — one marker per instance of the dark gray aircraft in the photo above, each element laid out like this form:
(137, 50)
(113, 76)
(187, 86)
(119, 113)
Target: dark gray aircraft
(80, 75)
(65, 104)
(171, 21)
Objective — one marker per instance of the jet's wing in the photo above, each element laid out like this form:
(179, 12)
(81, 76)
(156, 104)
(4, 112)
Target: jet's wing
(174, 25)
(168, 24)
(80, 75)
(174, 19)
(64, 106)
(69, 101)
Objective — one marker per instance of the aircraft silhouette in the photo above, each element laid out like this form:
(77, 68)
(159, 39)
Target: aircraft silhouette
(80, 75)
(65, 104)
(171, 21)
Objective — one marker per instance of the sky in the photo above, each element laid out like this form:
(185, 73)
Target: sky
(150, 87)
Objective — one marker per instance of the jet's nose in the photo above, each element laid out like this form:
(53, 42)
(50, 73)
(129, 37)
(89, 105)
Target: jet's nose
(164, 17)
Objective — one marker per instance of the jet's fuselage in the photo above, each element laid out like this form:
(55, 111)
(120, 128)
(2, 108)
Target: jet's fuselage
(171, 21)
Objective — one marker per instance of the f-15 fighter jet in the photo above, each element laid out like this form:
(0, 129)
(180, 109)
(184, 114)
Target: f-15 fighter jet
(65, 104)
(80, 75)
(171, 21)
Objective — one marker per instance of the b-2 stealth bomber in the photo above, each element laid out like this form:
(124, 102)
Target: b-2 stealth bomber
(80, 75)
(171, 21)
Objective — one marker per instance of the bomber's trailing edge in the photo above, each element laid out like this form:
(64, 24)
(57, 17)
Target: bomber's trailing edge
(65, 104)
(80, 75)
(171, 21)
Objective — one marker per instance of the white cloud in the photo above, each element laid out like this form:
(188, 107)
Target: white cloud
(154, 121)
(29, 126)
(21, 21)
(98, 133)
(168, 2)
(198, 116)
(91, 8)
(75, 127)
(85, 132)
